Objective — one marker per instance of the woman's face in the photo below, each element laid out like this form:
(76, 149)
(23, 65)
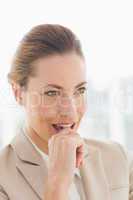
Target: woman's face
(56, 95)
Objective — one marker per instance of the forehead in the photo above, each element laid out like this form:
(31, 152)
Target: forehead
(64, 70)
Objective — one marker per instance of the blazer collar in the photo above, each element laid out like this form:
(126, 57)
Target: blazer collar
(30, 163)
(25, 150)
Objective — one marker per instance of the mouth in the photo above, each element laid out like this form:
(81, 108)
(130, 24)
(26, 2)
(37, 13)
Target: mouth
(60, 126)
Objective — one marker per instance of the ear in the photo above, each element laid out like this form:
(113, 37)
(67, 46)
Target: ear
(18, 92)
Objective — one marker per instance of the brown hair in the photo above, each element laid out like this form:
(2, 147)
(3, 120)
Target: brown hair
(42, 40)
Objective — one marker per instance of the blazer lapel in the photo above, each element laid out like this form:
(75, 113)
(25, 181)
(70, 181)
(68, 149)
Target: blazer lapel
(30, 164)
(93, 176)
(33, 168)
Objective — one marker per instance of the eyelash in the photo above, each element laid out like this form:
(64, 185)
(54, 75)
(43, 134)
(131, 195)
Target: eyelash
(82, 89)
(58, 93)
(51, 91)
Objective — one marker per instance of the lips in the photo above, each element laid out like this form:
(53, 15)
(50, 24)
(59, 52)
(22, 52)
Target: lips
(60, 126)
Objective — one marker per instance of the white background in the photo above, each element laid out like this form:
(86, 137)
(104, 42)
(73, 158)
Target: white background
(105, 29)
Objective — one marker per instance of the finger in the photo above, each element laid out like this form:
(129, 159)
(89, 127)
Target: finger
(61, 132)
(79, 163)
(80, 149)
(79, 158)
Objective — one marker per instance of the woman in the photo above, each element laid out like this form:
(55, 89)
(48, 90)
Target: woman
(48, 159)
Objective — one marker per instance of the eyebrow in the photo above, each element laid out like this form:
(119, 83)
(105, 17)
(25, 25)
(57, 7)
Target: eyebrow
(60, 87)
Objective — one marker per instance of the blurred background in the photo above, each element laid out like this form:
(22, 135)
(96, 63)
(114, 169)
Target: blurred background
(105, 29)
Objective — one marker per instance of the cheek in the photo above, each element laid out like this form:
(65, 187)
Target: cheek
(32, 102)
(47, 112)
(82, 109)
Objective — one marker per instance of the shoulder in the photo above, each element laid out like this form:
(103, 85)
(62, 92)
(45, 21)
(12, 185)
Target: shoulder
(112, 151)
(107, 146)
(7, 162)
(5, 153)
(116, 160)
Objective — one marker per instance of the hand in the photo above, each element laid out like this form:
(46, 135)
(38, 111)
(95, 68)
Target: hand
(65, 153)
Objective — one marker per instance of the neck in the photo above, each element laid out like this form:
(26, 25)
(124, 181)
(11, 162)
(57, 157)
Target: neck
(40, 142)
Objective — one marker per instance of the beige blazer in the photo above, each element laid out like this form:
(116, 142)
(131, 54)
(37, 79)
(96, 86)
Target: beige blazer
(107, 173)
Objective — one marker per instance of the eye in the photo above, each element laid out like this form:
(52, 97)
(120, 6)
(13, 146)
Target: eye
(81, 90)
(52, 93)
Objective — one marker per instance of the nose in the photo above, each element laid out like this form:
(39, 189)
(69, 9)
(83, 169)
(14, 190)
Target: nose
(67, 107)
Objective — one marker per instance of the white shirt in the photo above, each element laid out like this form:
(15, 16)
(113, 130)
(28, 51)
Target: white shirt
(74, 193)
